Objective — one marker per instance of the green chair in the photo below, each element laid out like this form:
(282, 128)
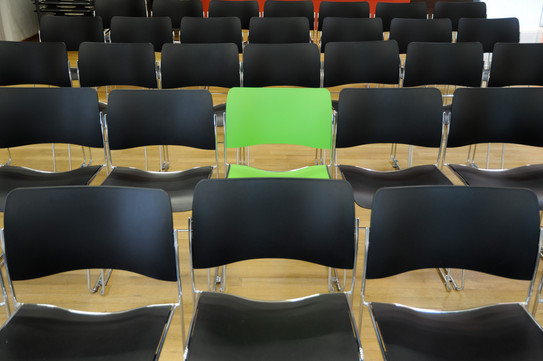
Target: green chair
(295, 116)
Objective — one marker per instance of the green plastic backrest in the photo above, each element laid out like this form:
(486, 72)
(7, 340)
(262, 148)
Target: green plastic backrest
(299, 116)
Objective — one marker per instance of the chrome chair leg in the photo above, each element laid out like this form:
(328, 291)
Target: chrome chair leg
(393, 159)
(101, 282)
(449, 281)
(334, 283)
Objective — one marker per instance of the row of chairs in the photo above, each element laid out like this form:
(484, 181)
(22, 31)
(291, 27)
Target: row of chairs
(158, 31)
(183, 65)
(317, 225)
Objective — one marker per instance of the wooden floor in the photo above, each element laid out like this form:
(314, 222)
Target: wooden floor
(272, 279)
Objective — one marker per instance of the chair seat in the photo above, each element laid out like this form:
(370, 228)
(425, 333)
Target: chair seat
(41, 332)
(179, 185)
(316, 328)
(366, 182)
(499, 332)
(529, 176)
(12, 177)
(243, 171)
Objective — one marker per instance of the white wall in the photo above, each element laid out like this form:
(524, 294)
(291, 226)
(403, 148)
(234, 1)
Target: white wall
(18, 20)
(529, 12)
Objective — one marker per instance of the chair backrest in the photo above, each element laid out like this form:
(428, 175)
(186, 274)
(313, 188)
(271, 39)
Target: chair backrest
(489, 31)
(177, 10)
(155, 30)
(278, 116)
(160, 117)
(456, 10)
(516, 64)
(49, 115)
(406, 31)
(279, 30)
(496, 115)
(107, 9)
(454, 227)
(361, 62)
(200, 65)
(281, 64)
(403, 116)
(89, 227)
(244, 10)
(278, 8)
(34, 63)
(388, 11)
(341, 9)
(458, 64)
(71, 30)
(211, 30)
(103, 64)
(310, 220)
(350, 29)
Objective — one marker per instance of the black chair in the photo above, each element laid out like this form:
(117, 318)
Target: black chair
(177, 10)
(456, 227)
(71, 30)
(138, 118)
(489, 31)
(313, 221)
(30, 63)
(244, 10)
(350, 29)
(406, 31)
(399, 116)
(296, 8)
(340, 9)
(107, 9)
(56, 115)
(498, 115)
(516, 64)
(455, 10)
(211, 30)
(279, 30)
(389, 11)
(281, 64)
(156, 30)
(131, 230)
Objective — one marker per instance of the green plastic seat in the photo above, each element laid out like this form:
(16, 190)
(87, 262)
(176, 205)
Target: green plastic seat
(295, 116)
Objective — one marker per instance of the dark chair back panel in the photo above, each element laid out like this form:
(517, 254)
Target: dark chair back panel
(244, 10)
(211, 30)
(240, 219)
(389, 11)
(341, 9)
(489, 31)
(350, 29)
(177, 10)
(71, 30)
(156, 30)
(278, 8)
(516, 64)
(107, 9)
(491, 230)
(279, 30)
(406, 31)
(456, 10)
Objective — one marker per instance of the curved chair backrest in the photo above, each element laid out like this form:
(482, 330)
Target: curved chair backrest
(305, 219)
(496, 115)
(200, 65)
(516, 64)
(389, 11)
(361, 62)
(244, 10)
(404, 116)
(104, 64)
(177, 10)
(131, 229)
(279, 30)
(71, 30)
(34, 63)
(350, 29)
(278, 116)
(107, 9)
(278, 8)
(211, 30)
(489, 31)
(406, 31)
(454, 227)
(354, 9)
(49, 115)
(444, 63)
(138, 118)
(281, 64)
(155, 30)
(457, 10)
